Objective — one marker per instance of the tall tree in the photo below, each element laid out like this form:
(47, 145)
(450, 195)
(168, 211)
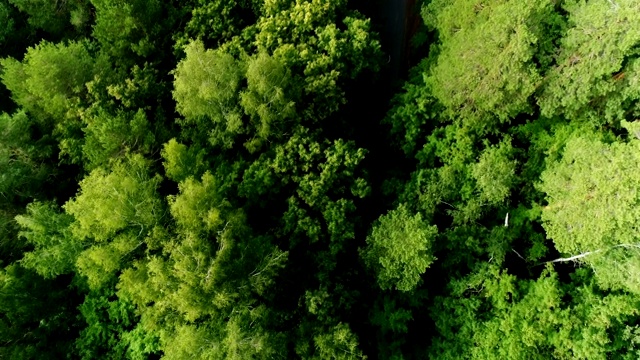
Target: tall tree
(50, 81)
(592, 207)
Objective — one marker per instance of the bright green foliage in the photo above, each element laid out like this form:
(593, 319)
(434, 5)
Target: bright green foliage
(206, 91)
(100, 263)
(339, 344)
(192, 271)
(198, 206)
(50, 82)
(478, 178)
(594, 206)
(398, 249)
(597, 68)
(452, 181)
(48, 231)
(198, 295)
(497, 79)
(115, 211)
(181, 161)
(109, 202)
(205, 82)
(268, 98)
(190, 341)
(222, 166)
(222, 341)
(325, 42)
(494, 173)
(111, 137)
(491, 315)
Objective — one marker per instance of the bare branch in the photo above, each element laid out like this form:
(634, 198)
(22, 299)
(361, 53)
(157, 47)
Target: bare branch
(573, 258)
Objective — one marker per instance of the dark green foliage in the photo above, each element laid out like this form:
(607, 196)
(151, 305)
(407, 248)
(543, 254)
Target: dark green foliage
(54, 17)
(21, 158)
(126, 27)
(7, 20)
(218, 20)
(324, 180)
(36, 316)
(48, 230)
(24, 169)
(111, 331)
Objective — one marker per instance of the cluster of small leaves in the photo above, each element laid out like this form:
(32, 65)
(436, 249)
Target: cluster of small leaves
(495, 81)
(399, 249)
(593, 81)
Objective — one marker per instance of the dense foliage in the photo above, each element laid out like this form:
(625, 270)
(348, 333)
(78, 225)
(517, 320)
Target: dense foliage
(212, 179)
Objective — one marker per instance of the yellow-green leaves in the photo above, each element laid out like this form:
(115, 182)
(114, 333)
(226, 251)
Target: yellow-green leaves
(597, 72)
(486, 69)
(399, 249)
(308, 35)
(112, 201)
(206, 82)
(493, 315)
(339, 343)
(100, 262)
(198, 207)
(206, 92)
(50, 81)
(114, 211)
(268, 99)
(181, 161)
(594, 207)
(206, 86)
(592, 195)
(494, 173)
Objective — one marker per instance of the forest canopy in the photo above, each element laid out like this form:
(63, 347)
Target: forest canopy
(311, 179)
